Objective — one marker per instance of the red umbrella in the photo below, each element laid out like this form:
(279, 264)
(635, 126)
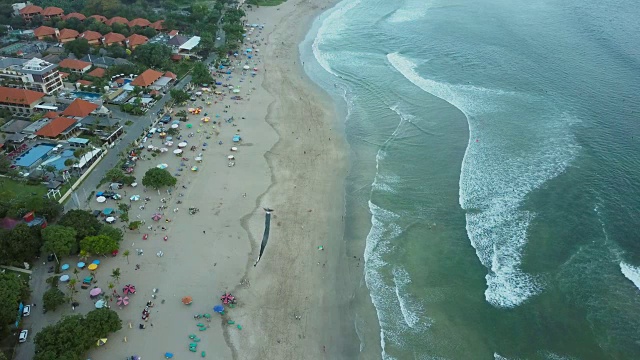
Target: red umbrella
(129, 289)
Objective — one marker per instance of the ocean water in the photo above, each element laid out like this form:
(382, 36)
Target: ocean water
(495, 174)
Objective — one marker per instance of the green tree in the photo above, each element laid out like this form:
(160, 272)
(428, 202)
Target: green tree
(60, 240)
(83, 222)
(67, 339)
(21, 244)
(117, 51)
(201, 74)
(153, 55)
(79, 47)
(126, 254)
(11, 291)
(115, 274)
(72, 288)
(101, 322)
(128, 180)
(112, 232)
(99, 244)
(157, 178)
(52, 298)
(114, 175)
(179, 96)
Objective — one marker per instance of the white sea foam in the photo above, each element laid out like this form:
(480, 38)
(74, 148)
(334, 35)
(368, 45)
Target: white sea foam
(412, 10)
(331, 27)
(410, 309)
(495, 180)
(631, 272)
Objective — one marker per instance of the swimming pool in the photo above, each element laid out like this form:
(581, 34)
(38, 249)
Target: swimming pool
(58, 160)
(32, 156)
(85, 95)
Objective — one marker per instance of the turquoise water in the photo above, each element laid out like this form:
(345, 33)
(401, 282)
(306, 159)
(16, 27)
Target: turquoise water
(58, 160)
(494, 174)
(33, 155)
(85, 95)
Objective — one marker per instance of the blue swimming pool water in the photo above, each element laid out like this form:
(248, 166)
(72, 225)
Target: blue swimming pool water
(58, 160)
(86, 95)
(34, 154)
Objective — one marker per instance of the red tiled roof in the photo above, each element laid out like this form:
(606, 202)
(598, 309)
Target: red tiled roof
(55, 127)
(68, 34)
(147, 78)
(75, 15)
(51, 115)
(63, 74)
(171, 75)
(19, 96)
(117, 19)
(91, 35)
(79, 107)
(73, 64)
(97, 72)
(31, 9)
(135, 40)
(139, 22)
(100, 18)
(52, 11)
(173, 32)
(44, 31)
(85, 82)
(158, 25)
(120, 81)
(112, 38)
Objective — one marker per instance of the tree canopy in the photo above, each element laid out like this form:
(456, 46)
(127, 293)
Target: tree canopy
(12, 290)
(99, 244)
(157, 178)
(60, 240)
(112, 232)
(153, 55)
(179, 96)
(201, 74)
(79, 47)
(83, 222)
(19, 245)
(52, 298)
(74, 335)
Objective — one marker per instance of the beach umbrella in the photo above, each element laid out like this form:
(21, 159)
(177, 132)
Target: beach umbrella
(64, 278)
(101, 342)
(97, 262)
(169, 138)
(134, 184)
(125, 300)
(163, 150)
(101, 199)
(218, 308)
(189, 126)
(95, 292)
(120, 300)
(182, 144)
(198, 159)
(177, 151)
(231, 157)
(110, 219)
(150, 147)
(168, 355)
(246, 67)
(107, 211)
(194, 168)
(175, 126)
(236, 138)
(80, 264)
(100, 304)
(169, 143)
(129, 289)
(156, 216)
(235, 91)
(135, 198)
(65, 267)
(162, 166)
(92, 266)
(207, 316)
(187, 300)
(234, 149)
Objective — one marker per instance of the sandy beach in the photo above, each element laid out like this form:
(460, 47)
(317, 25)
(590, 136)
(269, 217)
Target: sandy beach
(294, 303)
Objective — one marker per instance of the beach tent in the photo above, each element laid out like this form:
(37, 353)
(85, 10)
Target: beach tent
(107, 211)
(100, 304)
(101, 342)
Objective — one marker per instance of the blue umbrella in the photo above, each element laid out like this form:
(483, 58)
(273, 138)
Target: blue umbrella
(107, 211)
(81, 264)
(65, 267)
(168, 355)
(97, 262)
(218, 308)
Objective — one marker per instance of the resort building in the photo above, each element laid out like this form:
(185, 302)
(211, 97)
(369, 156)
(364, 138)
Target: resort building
(66, 35)
(143, 23)
(76, 66)
(61, 127)
(136, 40)
(75, 15)
(29, 11)
(51, 12)
(34, 74)
(99, 18)
(158, 25)
(20, 102)
(44, 32)
(147, 78)
(117, 20)
(93, 37)
(113, 39)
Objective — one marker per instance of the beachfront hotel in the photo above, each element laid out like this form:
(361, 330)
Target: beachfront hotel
(33, 74)
(20, 101)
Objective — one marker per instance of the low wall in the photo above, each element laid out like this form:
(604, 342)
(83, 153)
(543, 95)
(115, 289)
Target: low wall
(81, 179)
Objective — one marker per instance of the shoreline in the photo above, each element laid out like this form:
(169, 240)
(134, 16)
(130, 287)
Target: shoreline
(284, 334)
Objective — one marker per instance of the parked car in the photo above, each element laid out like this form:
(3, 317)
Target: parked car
(23, 336)
(26, 311)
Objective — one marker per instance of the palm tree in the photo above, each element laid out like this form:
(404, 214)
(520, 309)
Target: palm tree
(111, 286)
(76, 272)
(115, 274)
(72, 288)
(84, 255)
(126, 255)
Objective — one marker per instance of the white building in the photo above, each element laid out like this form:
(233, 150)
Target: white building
(34, 74)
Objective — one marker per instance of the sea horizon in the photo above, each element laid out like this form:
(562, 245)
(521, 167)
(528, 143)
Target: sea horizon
(491, 196)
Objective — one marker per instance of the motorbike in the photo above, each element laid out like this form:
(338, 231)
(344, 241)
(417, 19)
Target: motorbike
(165, 238)
(145, 236)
